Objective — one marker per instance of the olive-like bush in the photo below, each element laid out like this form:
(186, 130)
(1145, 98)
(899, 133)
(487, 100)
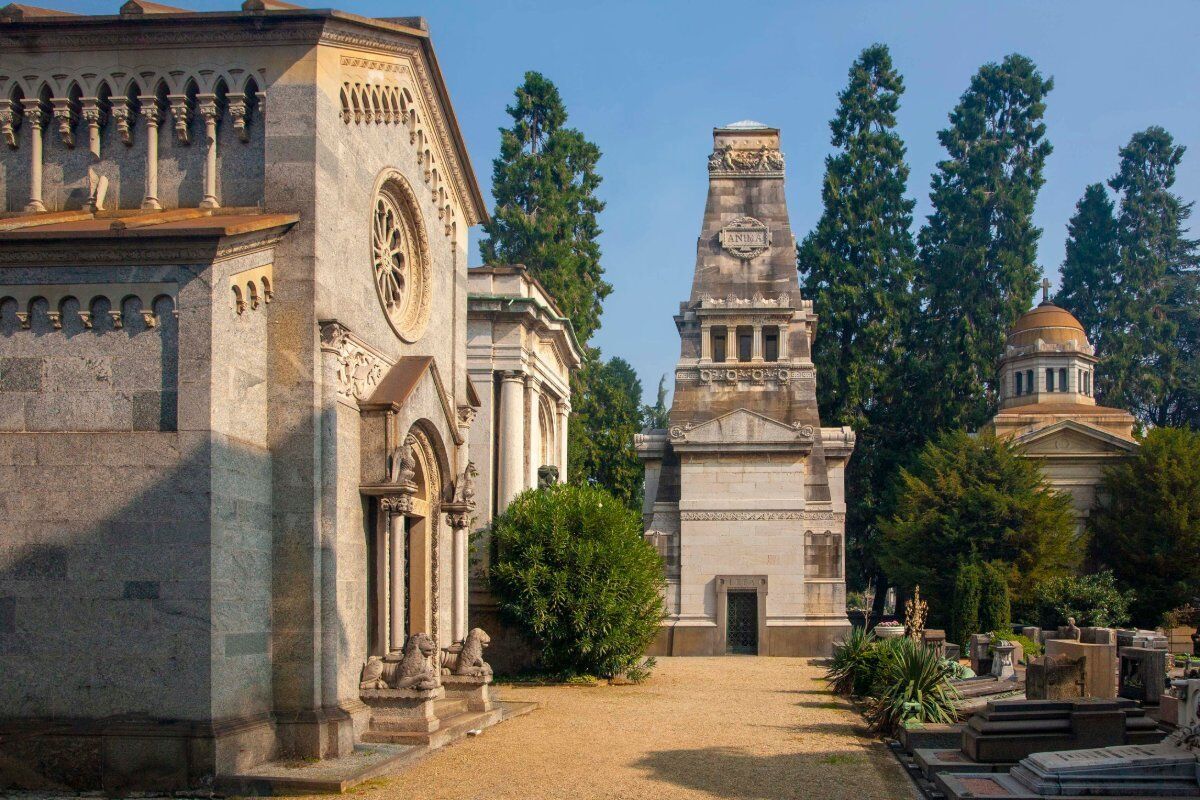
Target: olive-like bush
(573, 572)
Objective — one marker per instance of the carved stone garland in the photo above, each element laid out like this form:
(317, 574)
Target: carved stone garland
(358, 369)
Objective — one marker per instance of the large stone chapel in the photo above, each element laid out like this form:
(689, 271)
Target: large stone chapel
(744, 490)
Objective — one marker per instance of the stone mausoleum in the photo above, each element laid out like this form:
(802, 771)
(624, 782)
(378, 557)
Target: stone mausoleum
(744, 490)
(234, 400)
(1048, 407)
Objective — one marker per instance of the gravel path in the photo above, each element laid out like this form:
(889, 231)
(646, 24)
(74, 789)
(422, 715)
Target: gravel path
(742, 728)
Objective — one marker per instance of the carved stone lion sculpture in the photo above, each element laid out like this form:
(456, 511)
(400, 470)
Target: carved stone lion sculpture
(372, 674)
(470, 661)
(414, 671)
(404, 463)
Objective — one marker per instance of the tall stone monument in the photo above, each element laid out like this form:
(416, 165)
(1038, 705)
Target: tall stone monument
(744, 494)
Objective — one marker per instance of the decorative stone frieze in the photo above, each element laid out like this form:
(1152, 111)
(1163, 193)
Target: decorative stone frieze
(728, 162)
(87, 295)
(740, 516)
(359, 367)
(747, 375)
(758, 300)
(252, 289)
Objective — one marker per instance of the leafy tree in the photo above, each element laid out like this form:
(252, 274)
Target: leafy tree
(1149, 358)
(975, 498)
(1089, 271)
(545, 183)
(1148, 531)
(574, 573)
(857, 266)
(607, 414)
(977, 272)
(964, 615)
(1093, 600)
(657, 415)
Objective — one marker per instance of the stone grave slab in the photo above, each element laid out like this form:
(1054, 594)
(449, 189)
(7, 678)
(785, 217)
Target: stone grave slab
(1100, 669)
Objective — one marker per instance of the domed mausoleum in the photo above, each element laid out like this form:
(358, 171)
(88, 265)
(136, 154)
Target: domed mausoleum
(1048, 406)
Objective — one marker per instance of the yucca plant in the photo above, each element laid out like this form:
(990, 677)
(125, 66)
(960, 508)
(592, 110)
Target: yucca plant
(913, 686)
(850, 672)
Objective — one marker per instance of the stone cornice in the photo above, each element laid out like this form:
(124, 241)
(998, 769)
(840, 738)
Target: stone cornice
(134, 252)
(535, 316)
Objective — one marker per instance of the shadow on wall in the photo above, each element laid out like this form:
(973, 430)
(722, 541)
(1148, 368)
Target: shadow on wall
(728, 772)
(137, 580)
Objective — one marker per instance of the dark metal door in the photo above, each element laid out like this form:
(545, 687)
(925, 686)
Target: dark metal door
(741, 635)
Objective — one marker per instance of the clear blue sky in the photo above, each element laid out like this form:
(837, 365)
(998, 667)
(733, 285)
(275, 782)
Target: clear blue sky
(647, 81)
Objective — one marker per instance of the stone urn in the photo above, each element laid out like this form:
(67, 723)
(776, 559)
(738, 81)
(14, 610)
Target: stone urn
(1002, 661)
(889, 630)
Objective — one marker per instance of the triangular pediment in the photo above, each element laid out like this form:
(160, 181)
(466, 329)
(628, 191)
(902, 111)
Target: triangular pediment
(1070, 437)
(742, 427)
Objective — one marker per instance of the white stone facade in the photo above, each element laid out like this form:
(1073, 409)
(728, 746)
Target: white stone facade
(744, 490)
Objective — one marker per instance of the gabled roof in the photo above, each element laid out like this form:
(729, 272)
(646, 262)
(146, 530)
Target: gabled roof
(1082, 428)
(402, 380)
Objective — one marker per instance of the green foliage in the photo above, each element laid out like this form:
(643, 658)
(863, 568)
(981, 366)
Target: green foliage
(659, 414)
(914, 686)
(851, 669)
(976, 498)
(1148, 532)
(977, 251)
(544, 182)
(606, 414)
(995, 608)
(1093, 600)
(1029, 648)
(1150, 332)
(1088, 287)
(964, 614)
(857, 266)
(573, 572)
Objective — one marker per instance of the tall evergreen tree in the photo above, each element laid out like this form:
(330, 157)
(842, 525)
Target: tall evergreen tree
(1149, 335)
(857, 267)
(544, 183)
(606, 415)
(977, 250)
(1089, 271)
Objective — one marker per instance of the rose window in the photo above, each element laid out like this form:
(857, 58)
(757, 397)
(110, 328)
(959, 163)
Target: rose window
(400, 268)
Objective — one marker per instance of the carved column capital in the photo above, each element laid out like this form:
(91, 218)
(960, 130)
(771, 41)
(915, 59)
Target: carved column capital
(396, 504)
(64, 115)
(121, 113)
(35, 114)
(181, 114)
(237, 114)
(151, 112)
(8, 123)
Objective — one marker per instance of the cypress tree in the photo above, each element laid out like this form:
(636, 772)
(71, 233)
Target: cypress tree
(1149, 349)
(964, 614)
(1088, 288)
(977, 272)
(544, 183)
(995, 608)
(606, 415)
(857, 267)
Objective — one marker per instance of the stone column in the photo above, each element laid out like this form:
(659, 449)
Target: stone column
(207, 106)
(512, 438)
(564, 416)
(783, 342)
(756, 346)
(395, 507)
(35, 118)
(705, 342)
(153, 117)
(91, 115)
(459, 522)
(533, 394)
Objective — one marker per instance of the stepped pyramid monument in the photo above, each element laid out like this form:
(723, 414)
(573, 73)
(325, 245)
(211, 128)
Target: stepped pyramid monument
(744, 489)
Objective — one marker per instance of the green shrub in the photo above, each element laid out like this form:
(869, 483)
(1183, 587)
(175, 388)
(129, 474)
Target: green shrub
(995, 610)
(574, 574)
(964, 614)
(1029, 647)
(913, 686)
(852, 669)
(1093, 600)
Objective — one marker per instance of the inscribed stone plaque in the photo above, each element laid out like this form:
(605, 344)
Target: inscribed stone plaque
(745, 238)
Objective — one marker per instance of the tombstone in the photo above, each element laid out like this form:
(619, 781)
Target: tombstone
(1098, 636)
(1170, 768)
(936, 640)
(1100, 670)
(1054, 678)
(1032, 633)
(1143, 675)
(1002, 661)
(1006, 731)
(953, 652)
(1181, 706)
(980, 653)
